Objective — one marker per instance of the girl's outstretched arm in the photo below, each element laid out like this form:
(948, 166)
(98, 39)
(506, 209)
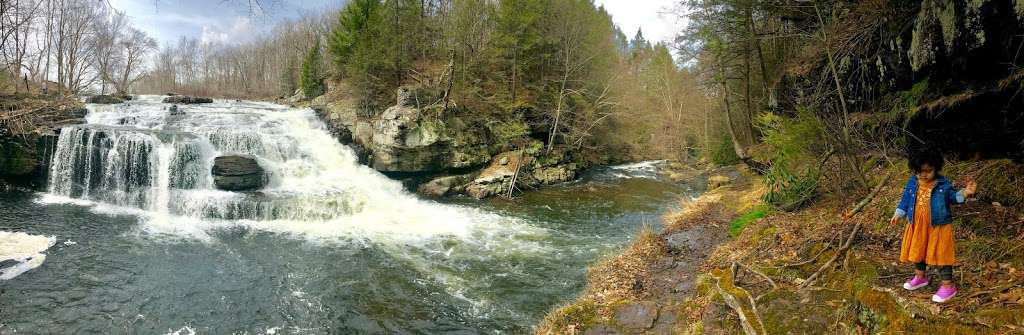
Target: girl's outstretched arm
(904, 205)
(961, 196)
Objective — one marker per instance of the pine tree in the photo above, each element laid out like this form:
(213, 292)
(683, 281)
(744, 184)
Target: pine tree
(312, 78)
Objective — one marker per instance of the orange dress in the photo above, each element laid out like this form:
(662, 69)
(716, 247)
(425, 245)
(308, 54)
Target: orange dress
(921, 240)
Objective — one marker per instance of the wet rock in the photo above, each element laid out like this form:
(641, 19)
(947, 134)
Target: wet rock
(175, 110)
(238, 173)
(104, 99)
(717, 181)
(184, 99)
(691, 241)
(128, 120)
(17, 158)
(556, 174)
(446, 185)
(638, 316)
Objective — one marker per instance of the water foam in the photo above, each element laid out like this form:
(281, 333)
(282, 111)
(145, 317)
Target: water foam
(26, 251)
(138, 159)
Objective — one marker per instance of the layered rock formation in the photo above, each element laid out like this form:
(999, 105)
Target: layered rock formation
(238, 173)
(458, 151)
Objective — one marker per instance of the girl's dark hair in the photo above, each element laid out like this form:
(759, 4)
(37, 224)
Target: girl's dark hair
(926, 155)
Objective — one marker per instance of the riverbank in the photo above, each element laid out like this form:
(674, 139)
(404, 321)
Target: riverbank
(812, 271)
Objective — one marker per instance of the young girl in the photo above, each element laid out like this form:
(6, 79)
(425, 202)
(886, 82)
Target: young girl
(928, 238)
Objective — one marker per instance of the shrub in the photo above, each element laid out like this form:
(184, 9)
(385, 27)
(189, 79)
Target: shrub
(792, 144)
(722, 152)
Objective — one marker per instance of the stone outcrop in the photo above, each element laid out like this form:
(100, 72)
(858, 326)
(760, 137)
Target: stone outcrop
(456, 151)
(238, 173)
(408, 138)
(184, 99)
(447, 185)
(104, 99)
(496, 178)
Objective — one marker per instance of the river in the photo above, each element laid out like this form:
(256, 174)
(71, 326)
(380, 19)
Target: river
(137, 240)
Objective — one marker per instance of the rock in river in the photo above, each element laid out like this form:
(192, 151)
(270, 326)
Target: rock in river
(238, 173)
(184, 99)
(104, 99)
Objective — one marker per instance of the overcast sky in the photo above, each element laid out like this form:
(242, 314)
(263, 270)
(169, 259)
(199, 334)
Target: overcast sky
(230, 20)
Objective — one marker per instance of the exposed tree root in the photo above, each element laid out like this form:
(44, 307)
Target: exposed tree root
(737, 306)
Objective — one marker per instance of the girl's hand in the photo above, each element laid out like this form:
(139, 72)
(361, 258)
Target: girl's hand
(971, 189)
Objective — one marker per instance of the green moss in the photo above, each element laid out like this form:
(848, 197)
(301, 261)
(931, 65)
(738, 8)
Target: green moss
(17, 159)
(582, 313)
(764, 232)
(737, 225)
(508, 130)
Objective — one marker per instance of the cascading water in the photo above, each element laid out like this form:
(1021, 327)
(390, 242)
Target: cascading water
(136, 238)
(140, 155)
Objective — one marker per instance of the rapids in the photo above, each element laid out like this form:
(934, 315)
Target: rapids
(329, 246)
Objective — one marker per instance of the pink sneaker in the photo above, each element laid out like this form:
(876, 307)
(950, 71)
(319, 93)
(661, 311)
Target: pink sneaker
(915, 283)
(944, 294)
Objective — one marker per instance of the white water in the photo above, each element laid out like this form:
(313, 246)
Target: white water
(136, 158)
(26, 251)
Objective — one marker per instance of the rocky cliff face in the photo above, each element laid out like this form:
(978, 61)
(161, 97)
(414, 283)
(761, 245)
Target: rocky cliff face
(459, 151)
(27, 143)
(941, 69)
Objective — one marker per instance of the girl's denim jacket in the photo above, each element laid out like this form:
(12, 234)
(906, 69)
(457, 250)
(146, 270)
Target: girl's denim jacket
(942, 195)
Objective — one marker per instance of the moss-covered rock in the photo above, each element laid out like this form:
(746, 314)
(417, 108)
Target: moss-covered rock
(17, 159)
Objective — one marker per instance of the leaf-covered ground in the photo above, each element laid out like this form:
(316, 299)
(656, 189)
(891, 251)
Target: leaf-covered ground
(764, 271)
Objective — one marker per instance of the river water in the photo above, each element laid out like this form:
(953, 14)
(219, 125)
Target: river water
(131, 237)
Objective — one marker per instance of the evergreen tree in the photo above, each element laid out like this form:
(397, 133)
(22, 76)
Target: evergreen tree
(355, 29)
(312, 79)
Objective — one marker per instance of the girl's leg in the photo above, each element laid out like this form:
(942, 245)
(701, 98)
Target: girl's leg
(946, 273)
(947, 290)
(919, 280)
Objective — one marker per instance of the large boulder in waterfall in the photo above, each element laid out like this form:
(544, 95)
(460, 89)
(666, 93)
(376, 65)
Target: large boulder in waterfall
(238, 173)
(104, 99)
(184, 99)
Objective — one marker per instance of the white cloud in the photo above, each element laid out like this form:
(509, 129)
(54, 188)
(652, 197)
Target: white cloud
(630, 15)
(240, 30)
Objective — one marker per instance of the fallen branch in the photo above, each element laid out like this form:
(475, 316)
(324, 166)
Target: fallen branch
(864, 202)
(997, 289)
(841, 252)
(849, 240)
(759, 273)
(737, 307)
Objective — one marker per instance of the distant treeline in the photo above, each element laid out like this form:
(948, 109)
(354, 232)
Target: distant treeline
(69, 47)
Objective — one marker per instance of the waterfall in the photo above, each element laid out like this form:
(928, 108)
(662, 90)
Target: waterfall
(139, 156)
